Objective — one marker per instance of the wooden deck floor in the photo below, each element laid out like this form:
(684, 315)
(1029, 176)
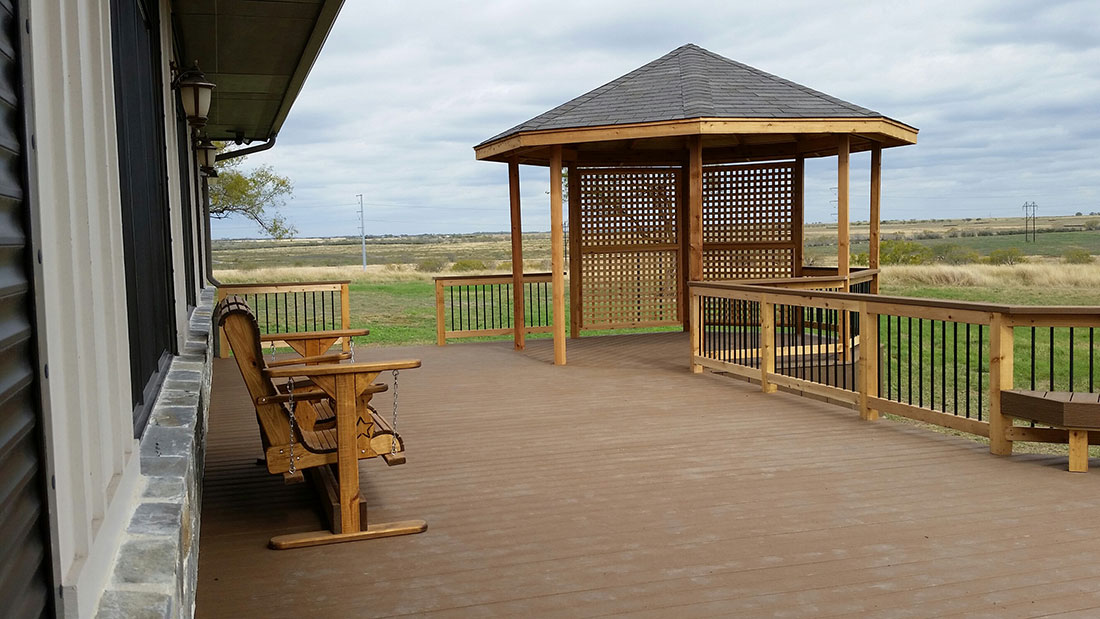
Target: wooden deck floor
(623, 484)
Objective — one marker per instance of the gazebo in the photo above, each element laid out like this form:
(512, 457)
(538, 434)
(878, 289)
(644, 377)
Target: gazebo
(688, 168)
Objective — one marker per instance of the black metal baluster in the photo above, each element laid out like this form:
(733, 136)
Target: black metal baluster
(943, 367)
(909, 361)
(955, 364)
(1091, 349)
(968, 370)
(451, 290)
(889, 359)
(979, 371)
(1033, 358)
(1071, 358)
(296, 327)
(313, 297)
(1051, 370)
(932, 364)
(920, 362)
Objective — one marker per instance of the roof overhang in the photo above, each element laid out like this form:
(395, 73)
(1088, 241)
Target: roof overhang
(257, 53)
(725, 140)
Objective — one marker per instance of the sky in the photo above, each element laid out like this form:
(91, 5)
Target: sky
(1006, 95)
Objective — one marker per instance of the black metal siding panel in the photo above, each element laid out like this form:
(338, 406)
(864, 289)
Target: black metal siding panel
(25, 588)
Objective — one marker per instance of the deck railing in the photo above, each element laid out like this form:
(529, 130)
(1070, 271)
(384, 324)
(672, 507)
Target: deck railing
(940, 362)
(483, 305)
(293, 307)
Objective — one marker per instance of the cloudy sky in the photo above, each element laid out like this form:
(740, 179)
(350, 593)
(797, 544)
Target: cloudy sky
(1006, 95)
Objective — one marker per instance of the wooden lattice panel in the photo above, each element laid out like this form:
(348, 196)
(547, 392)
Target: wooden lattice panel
(748, 221)
(748, 263)
(629, 243)
(629, 289)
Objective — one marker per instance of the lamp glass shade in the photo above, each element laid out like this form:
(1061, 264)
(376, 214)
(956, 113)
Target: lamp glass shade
(195, 96)
(207, 153)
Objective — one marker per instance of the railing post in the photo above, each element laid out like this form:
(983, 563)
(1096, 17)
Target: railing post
(223, 343)
(694, 329)
(868, 362)
(440, 319)
(767, 344)
(1000, 379)
(345, 314)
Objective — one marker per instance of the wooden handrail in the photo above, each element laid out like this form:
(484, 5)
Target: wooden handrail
(504, 279)
(998, 320)
(284, 288)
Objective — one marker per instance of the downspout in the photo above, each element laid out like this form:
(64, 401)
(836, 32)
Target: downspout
(206, 202)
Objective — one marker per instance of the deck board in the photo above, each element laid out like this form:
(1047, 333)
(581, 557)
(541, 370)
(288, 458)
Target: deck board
(624, 484)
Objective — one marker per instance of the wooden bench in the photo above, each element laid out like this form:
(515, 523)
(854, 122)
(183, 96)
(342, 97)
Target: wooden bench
(1076, 412)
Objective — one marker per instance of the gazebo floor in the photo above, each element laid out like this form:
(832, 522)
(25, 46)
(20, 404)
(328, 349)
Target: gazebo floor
(624, 484)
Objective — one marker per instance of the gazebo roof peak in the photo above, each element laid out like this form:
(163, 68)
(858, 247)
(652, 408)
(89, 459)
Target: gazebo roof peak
(691, 82)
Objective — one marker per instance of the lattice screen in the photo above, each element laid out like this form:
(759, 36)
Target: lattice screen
(629, 246)
(748, 221)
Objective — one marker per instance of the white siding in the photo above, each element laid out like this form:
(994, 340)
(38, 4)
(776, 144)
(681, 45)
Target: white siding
(82, 284)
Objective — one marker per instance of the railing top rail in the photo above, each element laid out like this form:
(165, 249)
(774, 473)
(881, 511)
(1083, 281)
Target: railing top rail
(971, 306)
(855, 276)
(501, 276)
(338, 282)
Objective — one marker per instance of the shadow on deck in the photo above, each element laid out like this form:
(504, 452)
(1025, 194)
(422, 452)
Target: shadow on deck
(623, 484)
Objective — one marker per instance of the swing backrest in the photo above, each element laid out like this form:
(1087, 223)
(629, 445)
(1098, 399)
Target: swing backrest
(243, 333)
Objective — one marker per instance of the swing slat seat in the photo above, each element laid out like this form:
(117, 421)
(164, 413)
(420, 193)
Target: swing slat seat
(329, 451)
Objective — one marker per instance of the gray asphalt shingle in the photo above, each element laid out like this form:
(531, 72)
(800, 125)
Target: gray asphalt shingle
(691, 82)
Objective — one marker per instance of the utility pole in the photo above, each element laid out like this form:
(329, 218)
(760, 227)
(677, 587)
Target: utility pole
(1029, 215)
(362, 232)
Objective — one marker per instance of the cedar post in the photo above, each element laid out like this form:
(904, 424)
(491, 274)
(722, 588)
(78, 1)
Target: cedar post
(876, 213)
(574, 251)
(557, 255)
(695, 208)
(798, 215)
(1000, 378)
(767, 344)
(685, 313)
(842, 250)
(440, 318)
(868, 362)
(223, 342)
(518, 320)
(695, 327)
(345, 314)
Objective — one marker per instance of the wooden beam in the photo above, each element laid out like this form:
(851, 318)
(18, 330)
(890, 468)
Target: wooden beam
(767, 346)
(798, 214)
(868, 363)
(843, 250)
(557, 255)
(519, 335)
(1000, 378)
(883, 129)
(695, 208)
(694, 330)
(685, 314)
(876, 214)
(575, 287)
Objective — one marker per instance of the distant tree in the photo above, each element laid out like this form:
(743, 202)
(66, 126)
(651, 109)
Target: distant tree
(904, 252)
(950, 253)
(1076, 255)
(255, 194)
(1009, 255)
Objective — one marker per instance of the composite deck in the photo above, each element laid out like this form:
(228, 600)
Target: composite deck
(623, 484)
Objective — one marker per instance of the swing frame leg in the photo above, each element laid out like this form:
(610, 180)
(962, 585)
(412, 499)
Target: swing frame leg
(325, 482)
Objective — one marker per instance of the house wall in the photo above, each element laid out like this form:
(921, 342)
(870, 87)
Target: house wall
(102, 489)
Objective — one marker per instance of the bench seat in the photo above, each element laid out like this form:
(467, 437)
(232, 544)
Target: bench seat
(1076, 412)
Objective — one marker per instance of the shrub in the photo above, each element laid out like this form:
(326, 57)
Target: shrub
(430, 265)
(950, 253)
(862, 258)
(468, 264)
(904, 252)
(1077, 255)
(1010, 255)
(1092, 224)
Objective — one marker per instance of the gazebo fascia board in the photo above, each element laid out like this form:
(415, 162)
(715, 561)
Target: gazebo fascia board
(882, 132)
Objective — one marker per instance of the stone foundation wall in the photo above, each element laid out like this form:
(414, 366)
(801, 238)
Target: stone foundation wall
(156, 570)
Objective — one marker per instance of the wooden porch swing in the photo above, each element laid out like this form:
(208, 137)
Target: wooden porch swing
(322, 424)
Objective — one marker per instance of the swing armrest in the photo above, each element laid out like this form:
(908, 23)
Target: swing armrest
(312, 335)
(334, 357)
(311, 396)
(343, 368)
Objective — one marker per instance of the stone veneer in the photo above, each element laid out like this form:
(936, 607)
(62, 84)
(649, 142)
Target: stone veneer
(156, 570)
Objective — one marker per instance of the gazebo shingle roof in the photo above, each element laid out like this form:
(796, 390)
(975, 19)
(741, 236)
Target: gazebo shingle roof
(691, 82)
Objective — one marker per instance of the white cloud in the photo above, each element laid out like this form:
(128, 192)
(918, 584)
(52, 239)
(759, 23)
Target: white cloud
(1006, 95)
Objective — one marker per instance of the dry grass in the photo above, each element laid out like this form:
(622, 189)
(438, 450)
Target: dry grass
(374, 274)
(1047, 275)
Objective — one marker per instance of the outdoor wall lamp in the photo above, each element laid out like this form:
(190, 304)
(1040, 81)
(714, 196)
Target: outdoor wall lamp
(195, 94)
(207, 153)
